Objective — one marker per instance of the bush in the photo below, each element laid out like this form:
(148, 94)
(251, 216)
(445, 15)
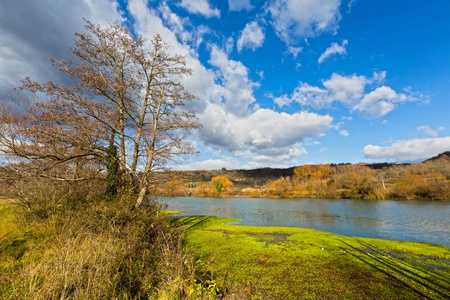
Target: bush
(356, 182)
(281, 187)
(428, 186)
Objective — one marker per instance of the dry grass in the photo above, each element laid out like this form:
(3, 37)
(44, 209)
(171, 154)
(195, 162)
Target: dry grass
(84, 247)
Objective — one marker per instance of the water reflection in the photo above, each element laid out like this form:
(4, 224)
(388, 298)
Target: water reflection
(398, 220)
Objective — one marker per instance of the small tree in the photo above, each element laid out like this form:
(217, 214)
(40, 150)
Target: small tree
(221, 184)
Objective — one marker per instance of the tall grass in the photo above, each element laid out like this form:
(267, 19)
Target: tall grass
(60, 241)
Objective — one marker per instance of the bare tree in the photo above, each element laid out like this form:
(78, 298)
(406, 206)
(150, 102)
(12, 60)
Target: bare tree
(127, 110)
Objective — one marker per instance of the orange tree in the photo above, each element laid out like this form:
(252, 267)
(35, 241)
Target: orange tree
(221, 183)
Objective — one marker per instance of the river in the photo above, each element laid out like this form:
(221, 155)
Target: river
(417, 221)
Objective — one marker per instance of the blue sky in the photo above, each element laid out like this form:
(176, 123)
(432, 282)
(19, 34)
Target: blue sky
(280, 82)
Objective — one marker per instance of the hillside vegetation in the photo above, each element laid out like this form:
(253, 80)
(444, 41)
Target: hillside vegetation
(428, 180)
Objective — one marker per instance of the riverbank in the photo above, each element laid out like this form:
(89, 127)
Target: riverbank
(295, 263)
(91, 249)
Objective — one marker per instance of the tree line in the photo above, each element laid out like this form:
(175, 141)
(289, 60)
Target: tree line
(428, 181)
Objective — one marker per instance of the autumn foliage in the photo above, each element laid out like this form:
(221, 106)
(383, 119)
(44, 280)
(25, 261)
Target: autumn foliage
(426, 181)
(221, 183)
(311, 172)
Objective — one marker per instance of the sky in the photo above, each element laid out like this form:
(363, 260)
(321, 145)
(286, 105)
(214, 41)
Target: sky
(279, 83)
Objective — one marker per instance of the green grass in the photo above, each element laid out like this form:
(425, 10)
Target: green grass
(295, 263)
(169, 212)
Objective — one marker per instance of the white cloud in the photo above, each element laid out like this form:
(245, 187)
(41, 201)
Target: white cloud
(379, 102)
(237, 5)
(183, 28)
(346, 89)
(175, 23)
(212, 164)
(350, 5)
(428, 131)
(409, 150)
(237, 87)
(264, 131)
(33, 31)
(295, 51)
(229, 45)
(379, 77)
(333, 50)
(201, 7)
(286, 158)
(293, 19)
(344, 133)
(306, 95)
(350, 91)
(252, 37)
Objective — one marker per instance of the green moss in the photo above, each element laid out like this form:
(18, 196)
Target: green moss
(170, 212)
(293, 263)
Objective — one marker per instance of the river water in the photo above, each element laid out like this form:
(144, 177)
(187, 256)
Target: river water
(417, 221)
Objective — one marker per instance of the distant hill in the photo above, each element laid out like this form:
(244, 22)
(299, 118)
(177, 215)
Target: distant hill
(443, 156)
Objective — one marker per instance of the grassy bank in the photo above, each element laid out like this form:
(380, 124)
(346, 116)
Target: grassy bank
(293, 263)
(91, 250)
(102, 250)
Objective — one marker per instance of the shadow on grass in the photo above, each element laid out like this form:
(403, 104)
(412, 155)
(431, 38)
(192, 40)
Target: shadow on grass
(192, 222)
(405, 272)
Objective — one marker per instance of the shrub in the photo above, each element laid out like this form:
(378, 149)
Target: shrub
(281, 187)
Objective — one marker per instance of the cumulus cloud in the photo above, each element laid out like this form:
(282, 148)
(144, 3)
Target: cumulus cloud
(409, 150)
(428, 131)
(333, 50)
(252, 37)
(201, 7)
(346, 89)
(237, 5)
(351, 91)
(237, 87)
(293, 19)
(380, 102)
(264, 131)
(33, 31)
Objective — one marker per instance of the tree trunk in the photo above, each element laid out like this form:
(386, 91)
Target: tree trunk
(142, 196)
